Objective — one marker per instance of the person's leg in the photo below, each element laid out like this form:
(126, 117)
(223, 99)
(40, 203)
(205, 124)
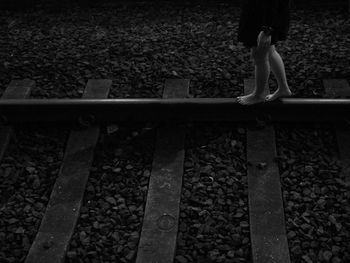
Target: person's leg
(262, 72)
(278, 70)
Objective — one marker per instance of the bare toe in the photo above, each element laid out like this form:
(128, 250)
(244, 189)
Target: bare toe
(268, 97)
(250, 99)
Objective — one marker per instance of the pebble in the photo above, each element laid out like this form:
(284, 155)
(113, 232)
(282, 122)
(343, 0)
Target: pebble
(31, 169)
(291, 234)
(92, 253)
(296, 250)
(181, 259)
(129, 167)
(314, 244)
(327, 255)
(241, 130)
(12, 221)
(336, 260)
(111, 200)
(318, 191)
(335, 249)
(19, 230)
(307, 259)
(309, 169)
(231, 254)
(96, 225)
(72, 254)
(130, 255)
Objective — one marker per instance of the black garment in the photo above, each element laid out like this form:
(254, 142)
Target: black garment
(258, 13)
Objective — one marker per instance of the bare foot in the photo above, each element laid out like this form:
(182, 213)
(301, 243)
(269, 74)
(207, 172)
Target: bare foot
(278, 94)
(250, 99)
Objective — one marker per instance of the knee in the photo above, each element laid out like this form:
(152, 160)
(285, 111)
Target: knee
(272, 52)
(261, 55)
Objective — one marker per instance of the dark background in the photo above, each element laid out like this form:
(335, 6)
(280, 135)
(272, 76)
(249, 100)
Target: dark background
(25, 4)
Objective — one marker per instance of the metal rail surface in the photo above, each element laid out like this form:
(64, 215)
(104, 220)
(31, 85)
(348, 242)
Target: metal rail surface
(188, 109)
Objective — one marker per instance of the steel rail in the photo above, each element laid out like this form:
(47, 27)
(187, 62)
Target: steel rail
(189, 109)
(172, 101)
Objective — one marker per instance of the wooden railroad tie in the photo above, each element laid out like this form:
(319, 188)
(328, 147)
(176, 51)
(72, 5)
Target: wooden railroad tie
(58, 224)
(160, 223)
(266, 213)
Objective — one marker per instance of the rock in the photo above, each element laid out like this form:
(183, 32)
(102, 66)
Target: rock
(181, 259)
(335, 249)
(332, 219)
(305, 244)
(19, 230)
(336, 260)
(132, 244)
(213, 254)
(96, 225)
(291, 234)
(92, 253)
(314, 244)
(72, 254)
(244, 224)
(130, 255)
(31, 169)
(112, 128)
(241, 131)
(36, 183)
(296, 250)
(307, 259)
(135, 236)
(327, 255)
(231, 254)
(305, 227)
(129, 167)
(111, 200)
(12, 221)
(238, 215)
(309, 169)
(240, 252)
(245, 240)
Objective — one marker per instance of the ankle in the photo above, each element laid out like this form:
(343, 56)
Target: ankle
(258, 95)
(284, 87)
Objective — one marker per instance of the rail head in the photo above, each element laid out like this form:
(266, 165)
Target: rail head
(172, 101)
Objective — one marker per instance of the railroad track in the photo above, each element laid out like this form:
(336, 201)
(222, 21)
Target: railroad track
(158, 237)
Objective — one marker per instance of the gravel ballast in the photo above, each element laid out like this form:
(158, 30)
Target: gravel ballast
(110, 222)
(214, 216)
(139, 46)
(213, 224)
(316, 197)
